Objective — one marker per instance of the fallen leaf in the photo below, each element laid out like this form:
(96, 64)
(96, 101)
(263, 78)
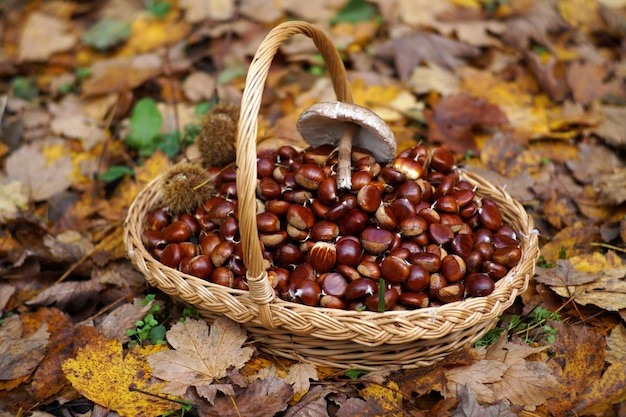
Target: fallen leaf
(455, 119)
(6, 291)
(564, 274)
(594, 161)
(616, 343)
(469, 407)
(101, 373)
(601, 394)
(478, 377)
(533, 25)
(417, 47)
(313, 404)
(424, 79)
(607, 291)
(299, 375)
(115, 324)
(378, 401)
(201, 356)
(262, 398)
(43, 35)
(13, 199)
(199, 10)
(595, 263)
(612, 126)
(20, 355)
(121, 74)
(70, 295)
(42, 178)
(573, 239)
(589, 82)
(577, 359)
(199, 86)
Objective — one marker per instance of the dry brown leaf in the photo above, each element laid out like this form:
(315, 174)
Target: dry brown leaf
(20, 355)
(455, 119)
(616, 343)
(299, 375)
(469, 407)
(313, 404)
(573, 239)
(44, 35)
(201, 357)
(13, 199)
(199, 10)
(607, 291)
(588, 82)
(533, 25)
(116, 323)
(42, 177)
(612, 128)
(199, 86)
(424, 79)
(564, 274)
(121, 74)
(409, 51)
(6, 291)
(505, 374)
(262, 398)
(378, 400)
(594, 161)
(577, 358)
(71, 295)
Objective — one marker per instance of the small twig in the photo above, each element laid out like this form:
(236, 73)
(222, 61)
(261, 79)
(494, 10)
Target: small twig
(607, 246)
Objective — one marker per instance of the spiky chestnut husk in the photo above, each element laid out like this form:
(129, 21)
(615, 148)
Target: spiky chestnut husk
(180, 194)
(217, 139)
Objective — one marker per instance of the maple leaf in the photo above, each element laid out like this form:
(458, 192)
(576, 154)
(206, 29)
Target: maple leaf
(504, 373)
(409, 51)
(577, 359)
(607, 291)
(299, 374)
(20, 355)
(469, 407)
(313, 403)
(564, 274)
(201, 357)
(43, 178)
(101, 373)
(262, 398)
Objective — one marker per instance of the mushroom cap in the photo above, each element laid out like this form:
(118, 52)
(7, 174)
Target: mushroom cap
(324, 123)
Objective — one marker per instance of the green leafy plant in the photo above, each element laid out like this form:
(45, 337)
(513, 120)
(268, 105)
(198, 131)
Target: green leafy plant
(106, 33)
(25, 87)
(542, 263)
(116, 172)
(158, 8)
(355, 373)
(148, 328)
(189, 312)
(532, 329)
(355, 11)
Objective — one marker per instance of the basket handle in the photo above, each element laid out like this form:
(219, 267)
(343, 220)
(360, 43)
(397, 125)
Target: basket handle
(260, 289)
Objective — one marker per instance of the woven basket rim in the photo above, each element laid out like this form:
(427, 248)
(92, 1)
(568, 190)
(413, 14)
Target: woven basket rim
(259, 306)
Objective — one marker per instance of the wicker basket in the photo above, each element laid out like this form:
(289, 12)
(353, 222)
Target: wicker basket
(329, 337)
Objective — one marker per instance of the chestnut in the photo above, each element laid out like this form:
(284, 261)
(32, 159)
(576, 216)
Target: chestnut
(331, 301)
(385, 218)
(324, 230)
(369, 198)
(348, 252)
(451, 292)
(390, 299)
(508, 256)
(199, 266)
(429, 261)
(334, 284)
(453, 268)
(376, 241)
(222, 252)
(152, 238)
(267, 222)
(394, 270)
(157, 219)
(440, 234)
(417, 280)
(300, 217)
(360, 288)
(354, 222)
(442, 160)
(369, 269)
(412, 300)
(412, 226)
(176, 232)
(222, 276)
(307, 292)
(479, 285)
(268, 189)
(409, 167)
(327, 191)
(171, 255)
(490, 215)
(322, 256)
(309, 176)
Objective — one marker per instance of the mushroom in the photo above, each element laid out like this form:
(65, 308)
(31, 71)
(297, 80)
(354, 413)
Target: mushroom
(346, 125)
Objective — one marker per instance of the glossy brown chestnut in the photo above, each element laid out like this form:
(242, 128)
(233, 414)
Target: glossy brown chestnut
(300, 217)
(440, 234)
(171, 255)
(334, 284)
(331, 301)
(508, 256)
(442, 160)
(158, 219)
(199, 266)
(394, 270)
(360, 288)
(490, 215)
(176, 232)
(417, 279)
(479, 285)
(412, 226)
(322, 256)
(390, 300)
(222, 252)
(413, 300)
(453, 268)
(222, 276)
(307, 292)
(310, 176)
(354, 222)
(429, 261)
(369, 269)
(376, 241)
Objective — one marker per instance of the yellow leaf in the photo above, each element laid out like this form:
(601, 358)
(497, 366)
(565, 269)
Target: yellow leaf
(388, 101)
(595, 263)
(101, 373)
(150, 34)
(470, 4)
(389, 398)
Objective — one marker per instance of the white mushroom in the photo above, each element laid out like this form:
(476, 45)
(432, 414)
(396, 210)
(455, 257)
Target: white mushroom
(347, 125)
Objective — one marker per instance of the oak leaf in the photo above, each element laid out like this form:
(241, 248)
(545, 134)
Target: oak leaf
(101, 373)
(20, 355)
(201, 356)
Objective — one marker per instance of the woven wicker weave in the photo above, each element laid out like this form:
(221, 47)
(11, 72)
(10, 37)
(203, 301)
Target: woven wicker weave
(338, 338)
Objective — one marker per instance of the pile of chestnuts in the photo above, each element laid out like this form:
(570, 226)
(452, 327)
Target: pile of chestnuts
(409, 234)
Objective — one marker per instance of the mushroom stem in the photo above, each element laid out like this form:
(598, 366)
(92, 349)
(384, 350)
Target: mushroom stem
(344, 164)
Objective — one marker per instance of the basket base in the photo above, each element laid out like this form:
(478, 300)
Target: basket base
(350, 355)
